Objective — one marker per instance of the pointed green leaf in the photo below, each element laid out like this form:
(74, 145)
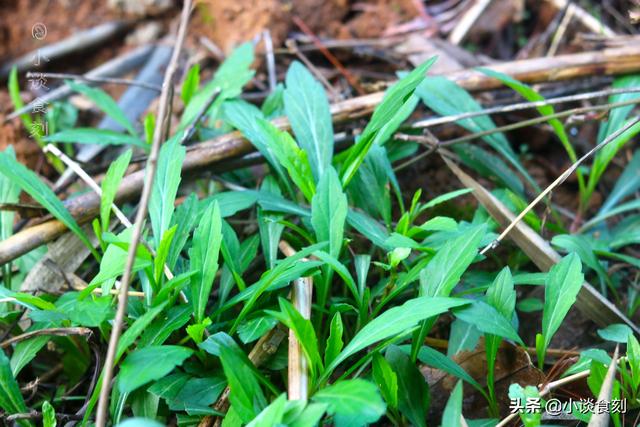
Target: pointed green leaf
(204, 258)
(165, 187)
(352, 403)
(11, 401)
(110, 185)
(413, 391)
(453, 410)
(329, 211)
(307, 108)
(149, 363)
(395, 321)
(446, 268)
(31, 184)
(104, 102)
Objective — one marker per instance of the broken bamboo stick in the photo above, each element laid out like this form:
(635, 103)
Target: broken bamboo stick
(621, 60)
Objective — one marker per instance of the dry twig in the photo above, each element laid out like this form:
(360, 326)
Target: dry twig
(158, 136)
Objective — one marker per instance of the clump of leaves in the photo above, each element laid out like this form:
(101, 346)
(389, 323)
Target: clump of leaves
(386, 275)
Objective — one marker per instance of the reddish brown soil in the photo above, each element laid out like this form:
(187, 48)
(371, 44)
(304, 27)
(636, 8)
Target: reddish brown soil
(61, 18)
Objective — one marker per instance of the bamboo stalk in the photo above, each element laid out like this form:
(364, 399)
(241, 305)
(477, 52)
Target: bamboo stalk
(201, 156)
(301, 292)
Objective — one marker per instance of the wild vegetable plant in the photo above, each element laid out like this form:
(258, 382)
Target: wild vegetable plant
(213, 302)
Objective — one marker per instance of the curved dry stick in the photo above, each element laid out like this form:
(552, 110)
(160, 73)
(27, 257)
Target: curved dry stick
(59, 332)
(158, 137)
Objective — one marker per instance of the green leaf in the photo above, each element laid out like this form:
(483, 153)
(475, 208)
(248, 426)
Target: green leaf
(48, 415)
(114, 259)
(255, 328)
(136, 329)
(230, 77)
(309, 417)
(386, 380)
(139, 422)
(9, 193)
(197, 395)
(244, 117)
(204, 258)
(185, 218)
(95, 136)
(148, 364)
(447, 266)
(304, 332)
(413, 391)
(488, 320)
(165, 187)
(163, 253)
(110, 185)
(90, 311)
(11, 400)
(334, 342)
(439, 361)
(489, 166)
(329, 211)
(583, 247)
(352, 403)
(501, 294)
(396, 106)
(25, 351)
(523, 395)
(190, 84)
(627, 184)
(532, 95)
(369, 189)
(157, 332)
(626, 232)
(31, 184)
(104, 102)
(246, 395)
(307, 107)
(269, 227)
(446, 197)
(446, 98)
(271, 415)
(370, 228)
(286, 271)
(618, 332)
(617, 120)
(563, 283)
(453, 410)
(292, 158)
(395, 321)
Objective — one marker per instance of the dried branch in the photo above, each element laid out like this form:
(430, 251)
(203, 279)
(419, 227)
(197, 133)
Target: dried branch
(158, 137)
(468, 19)
(97, 80)
(58, 332)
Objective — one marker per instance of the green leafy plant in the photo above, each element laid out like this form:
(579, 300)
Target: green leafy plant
(227, 260)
